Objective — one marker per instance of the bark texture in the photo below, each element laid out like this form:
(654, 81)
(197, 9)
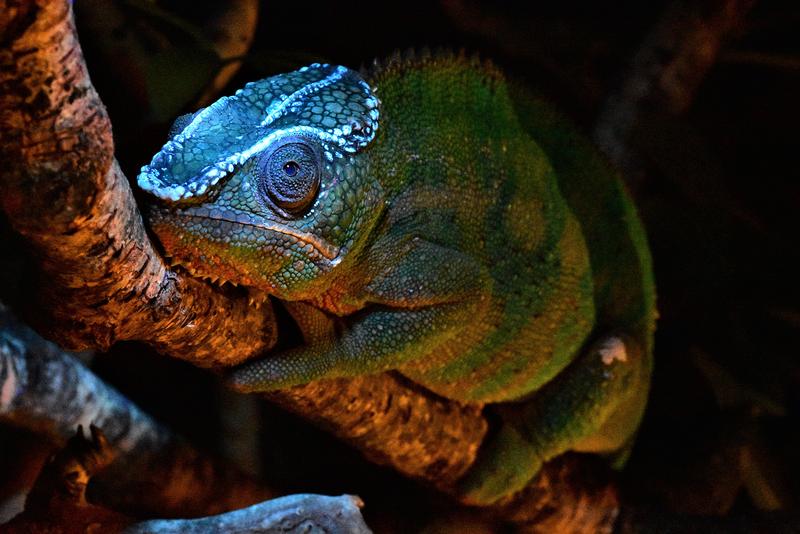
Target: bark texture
(394, 423)
(102, 280)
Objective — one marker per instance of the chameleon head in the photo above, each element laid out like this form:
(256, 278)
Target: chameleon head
(270, 187)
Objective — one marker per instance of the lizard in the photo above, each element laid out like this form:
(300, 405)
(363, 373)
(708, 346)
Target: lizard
(430, 217)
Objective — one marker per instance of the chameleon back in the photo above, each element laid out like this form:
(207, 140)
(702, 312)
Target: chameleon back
(463, 171)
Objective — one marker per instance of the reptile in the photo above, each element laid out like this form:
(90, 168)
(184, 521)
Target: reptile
(431, 217)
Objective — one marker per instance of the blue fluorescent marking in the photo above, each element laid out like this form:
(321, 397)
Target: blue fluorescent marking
(178, 171)
(278, 109)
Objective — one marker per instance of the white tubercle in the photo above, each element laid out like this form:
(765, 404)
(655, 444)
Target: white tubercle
(613, 349)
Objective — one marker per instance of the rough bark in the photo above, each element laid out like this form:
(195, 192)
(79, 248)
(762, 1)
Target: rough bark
(394, 423)
(582, 481)
(102, 279)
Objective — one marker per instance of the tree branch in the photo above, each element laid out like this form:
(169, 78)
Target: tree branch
(65, 193)
(294, 514)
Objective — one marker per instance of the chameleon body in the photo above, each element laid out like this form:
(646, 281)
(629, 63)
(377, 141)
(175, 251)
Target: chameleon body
(430, 218)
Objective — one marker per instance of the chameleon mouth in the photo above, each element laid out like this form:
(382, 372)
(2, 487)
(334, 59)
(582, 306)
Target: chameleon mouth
(231, 216)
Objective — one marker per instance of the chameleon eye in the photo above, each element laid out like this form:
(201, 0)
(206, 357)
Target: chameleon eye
(289, 176)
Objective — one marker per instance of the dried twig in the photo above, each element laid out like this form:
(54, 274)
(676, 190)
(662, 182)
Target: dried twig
(298, 514)
(58, 503)
(48, 391)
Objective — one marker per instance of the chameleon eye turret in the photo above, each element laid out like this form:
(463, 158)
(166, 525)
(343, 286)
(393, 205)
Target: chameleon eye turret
(288, 176)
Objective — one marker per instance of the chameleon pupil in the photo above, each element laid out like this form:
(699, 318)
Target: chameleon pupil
(291, 168)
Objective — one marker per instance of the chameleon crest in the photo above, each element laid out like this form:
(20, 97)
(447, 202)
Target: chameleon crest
(331, 104)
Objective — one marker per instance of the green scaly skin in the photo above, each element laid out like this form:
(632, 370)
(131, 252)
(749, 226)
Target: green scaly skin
(477, 244)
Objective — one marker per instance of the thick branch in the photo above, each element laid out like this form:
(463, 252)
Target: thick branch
(394, 423)
(67, 196)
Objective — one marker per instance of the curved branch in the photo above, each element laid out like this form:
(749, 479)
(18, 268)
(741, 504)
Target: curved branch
(58, 503)
(104, 281)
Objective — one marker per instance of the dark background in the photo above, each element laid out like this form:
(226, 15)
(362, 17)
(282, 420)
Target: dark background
(719, 197)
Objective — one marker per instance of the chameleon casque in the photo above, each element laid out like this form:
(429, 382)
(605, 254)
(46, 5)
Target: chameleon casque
(432, 218)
